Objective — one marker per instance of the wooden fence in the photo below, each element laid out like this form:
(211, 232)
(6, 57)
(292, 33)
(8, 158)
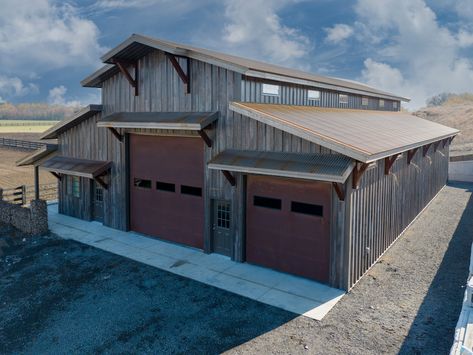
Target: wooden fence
(18, 143)
(22, 195)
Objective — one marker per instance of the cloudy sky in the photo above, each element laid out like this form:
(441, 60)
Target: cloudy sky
(415, 48)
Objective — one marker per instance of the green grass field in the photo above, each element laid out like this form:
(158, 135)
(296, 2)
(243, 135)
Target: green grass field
(25, 126)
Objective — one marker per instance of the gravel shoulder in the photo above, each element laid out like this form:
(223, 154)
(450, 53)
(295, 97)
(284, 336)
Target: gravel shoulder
(62, 297)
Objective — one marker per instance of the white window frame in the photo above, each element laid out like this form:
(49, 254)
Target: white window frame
(315, 95)
(365, 101)
(381, 103)
(340, 99)
(270, 89)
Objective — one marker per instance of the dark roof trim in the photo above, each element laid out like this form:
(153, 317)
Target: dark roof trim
(76, 167)
(38, 155)
(72, 121)
(137, 46)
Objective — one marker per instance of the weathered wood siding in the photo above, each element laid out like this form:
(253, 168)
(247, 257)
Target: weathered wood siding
(291, 94)
(384, 205)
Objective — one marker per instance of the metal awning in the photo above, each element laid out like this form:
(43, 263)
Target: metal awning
(38, 155)
(313, 166)
(194, 121)
(76, 167)
(364, 135)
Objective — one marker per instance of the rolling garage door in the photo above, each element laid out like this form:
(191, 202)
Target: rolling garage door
(288, 225)
(166, 188)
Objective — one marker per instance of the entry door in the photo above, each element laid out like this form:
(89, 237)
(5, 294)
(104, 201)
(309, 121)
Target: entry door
(97, 202)
(221, 227)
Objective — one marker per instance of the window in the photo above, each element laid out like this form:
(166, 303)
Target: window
(395, 104)
(307, 208)
(75, 186)
(223, 214)
(165, 186)
(313, 95)
(267, 202)
(191, 190)
(98, 194)
(145, 184)
(343, 99)
(364, 101)
(269, 89)
(381, 103)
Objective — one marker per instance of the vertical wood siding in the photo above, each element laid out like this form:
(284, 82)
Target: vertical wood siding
(251, 91)
(384, 205)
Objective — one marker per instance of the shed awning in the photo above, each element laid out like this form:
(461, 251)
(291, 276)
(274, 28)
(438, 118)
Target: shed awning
(38, 155)
(76, 167)
(313, 166)
(364, 135)
(194, 121)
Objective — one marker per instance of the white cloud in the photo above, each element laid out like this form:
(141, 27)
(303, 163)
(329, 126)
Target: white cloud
(37, 36)
(254, 29)
(57, 97)
(14, 87)
(125, 4)
(416, 56)
(338, 33)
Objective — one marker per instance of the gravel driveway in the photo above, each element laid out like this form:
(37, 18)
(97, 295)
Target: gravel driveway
(61, 297)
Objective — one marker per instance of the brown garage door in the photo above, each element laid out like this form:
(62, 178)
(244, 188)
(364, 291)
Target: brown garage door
(288, 225)
(166, 188)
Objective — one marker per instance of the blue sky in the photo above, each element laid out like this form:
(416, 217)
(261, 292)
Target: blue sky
(414, 48)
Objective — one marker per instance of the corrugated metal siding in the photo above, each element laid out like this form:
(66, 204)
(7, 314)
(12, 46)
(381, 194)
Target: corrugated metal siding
(251, 91)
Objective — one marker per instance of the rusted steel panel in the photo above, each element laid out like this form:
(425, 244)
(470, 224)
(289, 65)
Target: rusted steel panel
(284, 240)
(169, 207)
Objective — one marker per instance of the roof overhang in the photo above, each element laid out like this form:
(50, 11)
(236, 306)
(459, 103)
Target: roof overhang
(192, 121)
(320, 167)
(38, 156)
(72, 121)
(363, 135)
(90, 169)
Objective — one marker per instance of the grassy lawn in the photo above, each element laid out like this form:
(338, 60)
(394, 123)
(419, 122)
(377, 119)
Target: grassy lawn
(13, 126)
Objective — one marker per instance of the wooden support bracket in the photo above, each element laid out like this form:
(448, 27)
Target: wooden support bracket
(116, 134)
(389, 162)
(56, 175)
(122, 65)
(340, 190)
(410, 155)
(205, 137)
(451, 139)
(184, 77)
(229, 177)
(358, 172)
(101, 182)
(436, 145)
(425, 149)
(444, 142)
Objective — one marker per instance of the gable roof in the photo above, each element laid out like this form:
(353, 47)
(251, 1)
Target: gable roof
(72, 121)
(363, 135)
(137, 46)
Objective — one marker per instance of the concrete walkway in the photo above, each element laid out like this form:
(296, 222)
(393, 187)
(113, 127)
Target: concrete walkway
(291, 293)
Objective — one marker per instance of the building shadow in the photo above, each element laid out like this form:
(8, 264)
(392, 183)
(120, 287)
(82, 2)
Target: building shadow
(433, 328)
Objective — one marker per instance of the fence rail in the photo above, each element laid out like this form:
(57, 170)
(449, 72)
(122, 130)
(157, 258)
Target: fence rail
(22, 195)
(19, 143)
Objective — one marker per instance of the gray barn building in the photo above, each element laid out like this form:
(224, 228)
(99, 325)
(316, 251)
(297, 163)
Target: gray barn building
(301, 173)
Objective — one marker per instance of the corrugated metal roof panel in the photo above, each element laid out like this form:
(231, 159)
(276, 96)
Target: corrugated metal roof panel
(364, 135)
(159, 120)
(137, 46)
(76, 167)
(322, 167)
(38, 155)
(72, 121)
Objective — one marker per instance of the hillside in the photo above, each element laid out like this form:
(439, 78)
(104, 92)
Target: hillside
(34, 111)
(457, 112)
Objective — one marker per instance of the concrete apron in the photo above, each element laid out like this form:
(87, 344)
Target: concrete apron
(291, 293)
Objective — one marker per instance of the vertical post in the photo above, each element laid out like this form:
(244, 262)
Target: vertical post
(36, 182)
(23, 194)
(1, 194)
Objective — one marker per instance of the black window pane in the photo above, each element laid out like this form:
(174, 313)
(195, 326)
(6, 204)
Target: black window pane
(191, 190)
(267, 202)
(307, 208)
(165, 186)
(142, 183)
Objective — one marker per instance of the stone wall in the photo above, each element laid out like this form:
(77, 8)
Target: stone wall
(32, 220)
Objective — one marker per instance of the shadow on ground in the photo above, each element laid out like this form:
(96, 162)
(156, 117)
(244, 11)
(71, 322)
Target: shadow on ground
(59, 296)
(441, 298)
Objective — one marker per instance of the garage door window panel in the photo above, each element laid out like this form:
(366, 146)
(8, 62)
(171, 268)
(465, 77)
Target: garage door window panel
(267, 202)
(165, 186)
(143, 183)
(191, 190)
(307, 208)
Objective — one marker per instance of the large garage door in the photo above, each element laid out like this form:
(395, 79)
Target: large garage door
(288, 225)
(166, 188)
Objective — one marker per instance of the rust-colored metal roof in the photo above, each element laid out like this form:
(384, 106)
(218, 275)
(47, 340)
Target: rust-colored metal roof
(194, 121)
(38, 155)
(76, 167)
(72, 121)
(314, 166)
(364, 135)
(137, 46)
